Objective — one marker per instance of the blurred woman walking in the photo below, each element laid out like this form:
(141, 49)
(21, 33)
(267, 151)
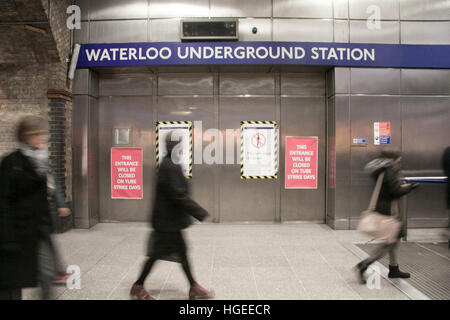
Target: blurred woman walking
(26, 249)
(390, 190)
(172, 212)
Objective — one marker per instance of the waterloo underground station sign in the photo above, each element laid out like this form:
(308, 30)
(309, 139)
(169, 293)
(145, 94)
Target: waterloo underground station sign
(273, 53)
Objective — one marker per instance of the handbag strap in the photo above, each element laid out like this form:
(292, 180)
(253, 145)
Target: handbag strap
(376, 192)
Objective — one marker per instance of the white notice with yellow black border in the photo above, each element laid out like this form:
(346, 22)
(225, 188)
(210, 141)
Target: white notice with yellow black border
(259, 150)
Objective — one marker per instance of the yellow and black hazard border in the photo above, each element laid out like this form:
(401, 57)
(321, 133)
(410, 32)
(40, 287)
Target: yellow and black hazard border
(189, 123)
(275, 128)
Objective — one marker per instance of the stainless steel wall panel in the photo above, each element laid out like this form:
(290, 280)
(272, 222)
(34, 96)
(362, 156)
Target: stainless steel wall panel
(304, 84)
(241, 8)
(343, 190)
(340, 9)
(161, 30)
(85, 82)
(303, 8)
(178, 9)
(329, 78)
(244, 200)
(93, 84)
(425, 32)
(341, 31)
(118, 31)
(195, 109)
(93, 161)
(264, 32)
(81, 81)
(82, 35)
(331, 161)
(85, 161)
(84, 8)
(425, 135)
(234, 84)
(242, 69)
(360, 9)
(428, 82)
(425, 10)
(185, 84)
(388, 32)
(364, 111)
(126, 86)
(80, 156)
(342, 80)
(303, 117)
(375, 80)
(134, 113)
(118, 9)
(314, 30)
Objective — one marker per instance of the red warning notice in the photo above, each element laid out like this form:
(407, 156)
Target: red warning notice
(301, 163)
(126, 173)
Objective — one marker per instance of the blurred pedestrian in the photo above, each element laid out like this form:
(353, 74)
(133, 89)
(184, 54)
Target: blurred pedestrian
(446, 166)
(25, 219)
(58, 208)
(172, 211)
(387, 204)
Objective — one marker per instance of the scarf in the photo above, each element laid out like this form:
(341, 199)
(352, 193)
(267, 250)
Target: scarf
(38, 158)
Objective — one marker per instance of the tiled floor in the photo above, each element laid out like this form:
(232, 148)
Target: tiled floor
(263, 261)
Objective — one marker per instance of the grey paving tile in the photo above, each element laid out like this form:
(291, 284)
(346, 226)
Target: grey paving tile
(105, 272)
(234, 284)
(278, 284)
(232, 261)
(95, 290)
(333, 292)
(269, 261)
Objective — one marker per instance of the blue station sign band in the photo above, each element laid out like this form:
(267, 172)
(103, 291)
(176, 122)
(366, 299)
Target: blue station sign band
(271, 53)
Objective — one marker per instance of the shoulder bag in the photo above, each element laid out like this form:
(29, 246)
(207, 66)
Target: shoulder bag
(377, 225)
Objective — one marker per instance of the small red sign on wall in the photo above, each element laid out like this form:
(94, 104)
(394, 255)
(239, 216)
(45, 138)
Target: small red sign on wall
(126, 173)
(301, 163)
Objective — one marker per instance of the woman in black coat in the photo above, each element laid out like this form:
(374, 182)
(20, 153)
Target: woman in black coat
(387, 204)
(172, 212)
(25, 217)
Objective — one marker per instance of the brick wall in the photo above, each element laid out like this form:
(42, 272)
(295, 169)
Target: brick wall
(33, 63)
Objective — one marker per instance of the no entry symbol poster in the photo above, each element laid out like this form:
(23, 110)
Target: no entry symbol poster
(301, 163)
(259, 150)
(126, 173)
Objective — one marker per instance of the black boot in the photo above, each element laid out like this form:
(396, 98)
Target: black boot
(360, 269)
(394, 272)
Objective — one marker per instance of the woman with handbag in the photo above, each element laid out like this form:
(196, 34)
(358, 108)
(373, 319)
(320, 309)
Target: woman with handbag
(386, 170)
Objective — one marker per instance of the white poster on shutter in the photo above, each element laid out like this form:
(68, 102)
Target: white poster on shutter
(259, 153)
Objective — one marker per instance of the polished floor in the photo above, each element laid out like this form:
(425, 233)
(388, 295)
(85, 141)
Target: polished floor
(237, 261)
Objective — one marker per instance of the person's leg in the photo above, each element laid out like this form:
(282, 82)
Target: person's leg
(394, 271)
(137, 290)
(58, 265)
(46, 270)
(393, 261)
(187, 269)
(377, 254)
(146, 270)
(196, 291)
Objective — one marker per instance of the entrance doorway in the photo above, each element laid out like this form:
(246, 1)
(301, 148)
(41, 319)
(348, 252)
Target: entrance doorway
(217, 99)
